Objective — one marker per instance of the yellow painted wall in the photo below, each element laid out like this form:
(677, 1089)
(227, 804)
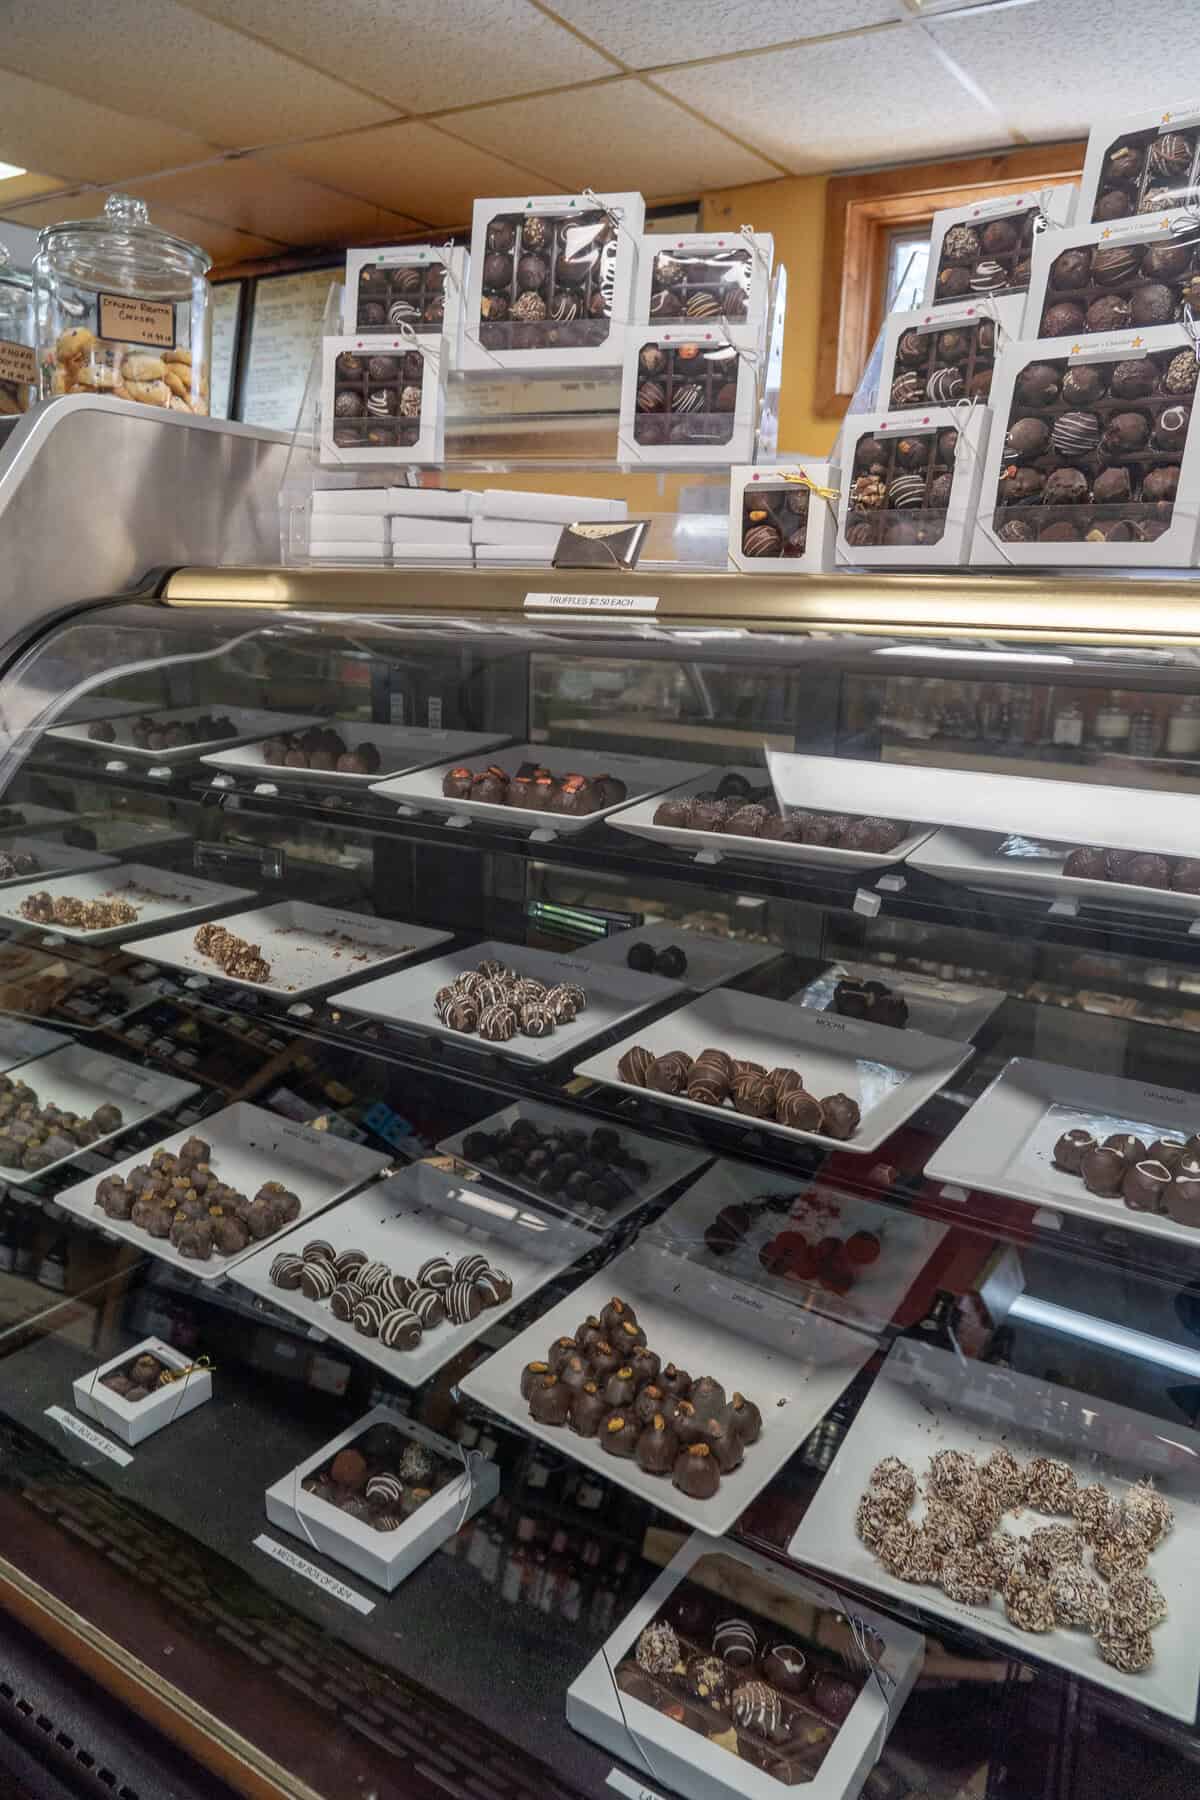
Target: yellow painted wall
(793, 211)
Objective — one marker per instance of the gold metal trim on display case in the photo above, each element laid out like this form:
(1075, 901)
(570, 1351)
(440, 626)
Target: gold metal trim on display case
(206, 1739)
(1088, 609)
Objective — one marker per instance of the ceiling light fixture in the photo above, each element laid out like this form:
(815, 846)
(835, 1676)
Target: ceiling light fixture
(8, 170)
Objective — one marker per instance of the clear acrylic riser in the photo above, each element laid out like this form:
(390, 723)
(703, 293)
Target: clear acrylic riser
(529, 424)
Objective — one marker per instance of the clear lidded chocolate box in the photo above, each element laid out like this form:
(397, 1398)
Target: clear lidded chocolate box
(987, 248)
(386, 290)
(899, 491)
(551, 280)
(1146, 164)
(380, 403)
(1101, 279)
(936, 357)
(783, 514)
(720, 278)
(1093, 449)
(685, 392)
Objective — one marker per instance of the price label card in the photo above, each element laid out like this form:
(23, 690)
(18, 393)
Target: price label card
(329, 1584)
(610, 603)
(18, 362)
(94, 1439)
(130, 321)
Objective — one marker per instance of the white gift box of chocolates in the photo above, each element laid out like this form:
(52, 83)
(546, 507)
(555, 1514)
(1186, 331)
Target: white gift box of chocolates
(1093, 458)
(687, 396)
(720, 277)
(383, 400)
(131, 1420)
(985, 248)
(1093, 279)
(783, 516)
(910, 483)
(379, 1537)
(1143, 162)
(551, 281)
(938, 355)
(420, 285)
(789, 1703)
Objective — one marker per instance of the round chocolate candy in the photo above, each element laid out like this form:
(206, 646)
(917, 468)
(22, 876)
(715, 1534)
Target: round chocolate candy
(1103, 1171)
(550, 1401)
(786, 1668)
(736, 1643)
(1071, 1148)
(1145, 1185)
(401, 1329)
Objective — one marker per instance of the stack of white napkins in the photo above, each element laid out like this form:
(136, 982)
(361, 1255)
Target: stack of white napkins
(446, 525)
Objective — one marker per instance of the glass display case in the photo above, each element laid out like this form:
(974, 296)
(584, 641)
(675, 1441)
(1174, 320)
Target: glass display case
(511, 1117)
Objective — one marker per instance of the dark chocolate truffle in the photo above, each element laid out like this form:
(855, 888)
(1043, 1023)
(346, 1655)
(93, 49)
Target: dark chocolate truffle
(1071, 1148)
(1026, 438)
(1145, 1185)
(1111, 312)
(1103, 1171)
(1072, 269)
(696, 1473)
(1151, 304)
(1063, 319)
(1066, 487)
(1037, 384)
(1134, 380)
(657, 1447)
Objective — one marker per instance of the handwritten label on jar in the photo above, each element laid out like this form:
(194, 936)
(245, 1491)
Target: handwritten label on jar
(301, 1566)
(130, 321)
(18, 362)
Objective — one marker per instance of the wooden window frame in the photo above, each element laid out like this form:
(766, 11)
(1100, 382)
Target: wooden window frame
(862, 211)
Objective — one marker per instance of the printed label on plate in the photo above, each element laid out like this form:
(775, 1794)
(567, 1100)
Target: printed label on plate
(129, 321)
(618, 603)
(95, 1439)
(625, 1784)
(300, 1566)
(18, 362)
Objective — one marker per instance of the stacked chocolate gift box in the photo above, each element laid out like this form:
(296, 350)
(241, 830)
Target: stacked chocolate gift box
(444, 525)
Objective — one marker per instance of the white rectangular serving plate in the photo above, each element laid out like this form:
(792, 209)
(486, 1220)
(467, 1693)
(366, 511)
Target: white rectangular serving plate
(401, 748)
(995, 863)
(158, 895)
(131, 1421)
(817, 1210)
(1062, 811)
(55, 859)
(308, 947)
(405, 998)
(382, 1557)
(924, 1400)
(21, 1043)
(642, 775)
(715, 846)
(711, 961)
(938, 1008)
(668, 1162)
(78, 1079)
(424, 1212)
(681, 1758)
(889, 1073)
(251, 722)
(1005, 1143)
(792, 1364)
(249, 1146)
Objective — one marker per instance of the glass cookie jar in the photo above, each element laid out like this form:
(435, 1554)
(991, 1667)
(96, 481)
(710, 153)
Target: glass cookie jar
(18, 340)
(123, 309)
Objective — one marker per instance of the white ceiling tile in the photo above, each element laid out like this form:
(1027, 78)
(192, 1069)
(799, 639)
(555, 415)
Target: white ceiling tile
(412, 168)
(421, 55)
(270, 200)
(618, 135)
(844, 103)
(1054, 68)
(223, 243)
(160, 60)
(78, 140)
(646, 36)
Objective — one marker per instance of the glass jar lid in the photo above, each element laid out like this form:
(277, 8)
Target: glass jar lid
(10, 277)
(123, 251)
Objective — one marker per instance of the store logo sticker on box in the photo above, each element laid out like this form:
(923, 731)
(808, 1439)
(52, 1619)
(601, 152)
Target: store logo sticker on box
(95, 1438)
(634, 1790)
(329, 1583)
(616, 603)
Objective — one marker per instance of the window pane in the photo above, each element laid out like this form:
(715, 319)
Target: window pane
(908, 259)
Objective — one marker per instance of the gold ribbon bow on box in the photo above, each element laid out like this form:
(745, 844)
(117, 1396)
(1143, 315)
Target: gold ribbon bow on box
(802, 480)
(202, 1365)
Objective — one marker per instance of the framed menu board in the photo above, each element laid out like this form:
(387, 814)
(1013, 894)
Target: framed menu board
(226, 313)
(288, 314)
